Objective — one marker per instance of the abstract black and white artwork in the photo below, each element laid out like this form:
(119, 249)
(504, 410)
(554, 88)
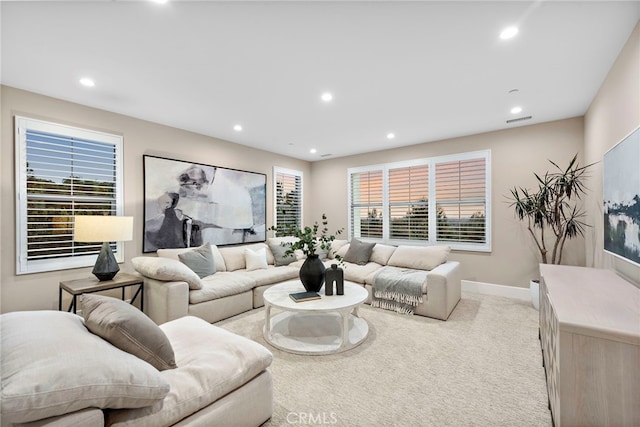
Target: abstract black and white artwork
(621, 190)
(188, 204)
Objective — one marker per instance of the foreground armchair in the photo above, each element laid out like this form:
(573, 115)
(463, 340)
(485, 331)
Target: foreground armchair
(57, 372)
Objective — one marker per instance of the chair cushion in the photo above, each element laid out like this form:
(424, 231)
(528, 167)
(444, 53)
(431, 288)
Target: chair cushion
(200, 260)
(166, 269)
(52, 365)
(127, 328)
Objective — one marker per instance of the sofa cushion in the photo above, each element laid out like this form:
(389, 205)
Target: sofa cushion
(200, 260)
(419, 257)
(278, 251)
(127, 328)
(255, 260)
(271, 275)
(358, 273)
(234, 256)
(221, 285)
(359, 252)
(381, 253)
(218, 259)
(52, 365)
(212, 362)
(335, 247)
(343, 250)
(166, 269)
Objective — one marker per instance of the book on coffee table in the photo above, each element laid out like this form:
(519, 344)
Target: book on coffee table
(304, 296)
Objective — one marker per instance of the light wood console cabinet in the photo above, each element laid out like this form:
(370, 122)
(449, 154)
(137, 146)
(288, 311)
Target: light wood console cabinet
(590, 338)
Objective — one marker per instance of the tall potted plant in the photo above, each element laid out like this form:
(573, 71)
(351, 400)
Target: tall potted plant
(310, 240)
(551, 211)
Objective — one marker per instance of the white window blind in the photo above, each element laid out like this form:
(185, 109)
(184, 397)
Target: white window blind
(461, 201)
(409, 203)
(366, 204)
(288, 199)
(63, 171)
(440, 200)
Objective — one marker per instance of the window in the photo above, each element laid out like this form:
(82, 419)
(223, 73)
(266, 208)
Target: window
(62, 171)
(440, 200)
(288, 198)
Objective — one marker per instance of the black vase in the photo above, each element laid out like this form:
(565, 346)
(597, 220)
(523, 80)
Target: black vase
(312, 273)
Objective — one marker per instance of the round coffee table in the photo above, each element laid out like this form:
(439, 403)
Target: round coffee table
(327, 325)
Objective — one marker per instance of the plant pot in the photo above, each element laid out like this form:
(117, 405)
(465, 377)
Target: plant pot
(534, 286)
(312, 273)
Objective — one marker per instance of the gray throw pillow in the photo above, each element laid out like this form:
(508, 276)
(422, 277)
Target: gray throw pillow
(200, 260)
(278, 254)
(358, 252)
(127, 328)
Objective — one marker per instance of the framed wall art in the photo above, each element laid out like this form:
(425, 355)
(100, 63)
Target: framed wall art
(188, 204)
(621, 191)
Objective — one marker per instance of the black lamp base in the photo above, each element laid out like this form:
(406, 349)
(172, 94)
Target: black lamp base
(106, 266)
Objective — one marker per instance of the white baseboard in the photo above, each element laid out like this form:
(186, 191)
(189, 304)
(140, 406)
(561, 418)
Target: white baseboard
(497, 290)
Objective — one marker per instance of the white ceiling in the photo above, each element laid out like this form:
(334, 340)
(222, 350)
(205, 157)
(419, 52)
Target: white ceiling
(422, 70)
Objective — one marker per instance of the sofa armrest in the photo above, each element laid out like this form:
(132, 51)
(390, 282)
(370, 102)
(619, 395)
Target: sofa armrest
(447, 276)
(448, 271)
(164, 301)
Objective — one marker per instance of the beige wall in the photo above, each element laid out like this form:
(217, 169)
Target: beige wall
(613, 114)
(40, 291)
(515, 154)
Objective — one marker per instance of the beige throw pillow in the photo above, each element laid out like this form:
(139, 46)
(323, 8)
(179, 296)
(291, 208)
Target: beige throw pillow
(127, 328)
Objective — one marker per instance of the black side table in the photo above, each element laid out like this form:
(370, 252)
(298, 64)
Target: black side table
(89, 285)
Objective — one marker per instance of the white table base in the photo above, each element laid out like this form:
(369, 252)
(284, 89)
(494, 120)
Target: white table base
(313, 333)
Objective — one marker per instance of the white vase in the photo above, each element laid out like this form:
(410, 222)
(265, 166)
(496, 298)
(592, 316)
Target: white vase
(534, 287)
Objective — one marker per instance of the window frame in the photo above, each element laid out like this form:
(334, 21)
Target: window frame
(431, 162)
(296, 173)
(23, 124)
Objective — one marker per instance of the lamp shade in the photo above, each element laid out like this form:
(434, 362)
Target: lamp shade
(102, 228)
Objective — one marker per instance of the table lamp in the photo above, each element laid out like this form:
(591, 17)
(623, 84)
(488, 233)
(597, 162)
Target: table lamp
(104, 229)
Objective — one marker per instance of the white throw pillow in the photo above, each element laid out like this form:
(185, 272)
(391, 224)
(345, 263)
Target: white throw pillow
(255, 260)
(52, 365)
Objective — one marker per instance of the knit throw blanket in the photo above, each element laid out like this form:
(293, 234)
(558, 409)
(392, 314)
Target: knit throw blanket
(398, 289)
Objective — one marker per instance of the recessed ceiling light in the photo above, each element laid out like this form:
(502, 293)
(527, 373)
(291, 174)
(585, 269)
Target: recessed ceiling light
(326, 97)
(313, 151)
(391, 135)
(237, 128)
(516, 110)
(508, 33)
(86, 81)
(160, 1)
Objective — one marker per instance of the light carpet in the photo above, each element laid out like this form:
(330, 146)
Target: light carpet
(482, 367)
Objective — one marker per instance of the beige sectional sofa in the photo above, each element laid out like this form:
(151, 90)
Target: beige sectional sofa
(234, 288)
